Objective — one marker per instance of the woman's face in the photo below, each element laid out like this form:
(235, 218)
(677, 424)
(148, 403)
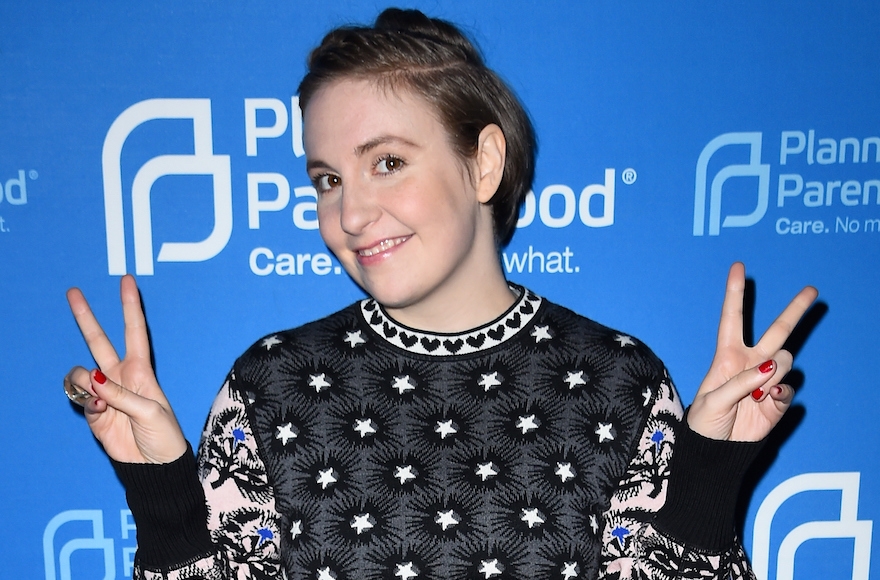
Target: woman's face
(396, 205)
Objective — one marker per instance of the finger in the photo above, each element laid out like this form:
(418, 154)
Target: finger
(137, 341)
(118, 397)
(782, 395)
(782, 362)
(96, 339)
(94, 408)
(754, 382)
(79, 377)
(784, 325)
(77, 386)
(730, 328)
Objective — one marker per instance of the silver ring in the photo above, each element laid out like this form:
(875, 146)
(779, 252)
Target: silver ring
(75, 393)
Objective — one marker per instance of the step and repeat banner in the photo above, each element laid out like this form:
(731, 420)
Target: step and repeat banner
(164, 139)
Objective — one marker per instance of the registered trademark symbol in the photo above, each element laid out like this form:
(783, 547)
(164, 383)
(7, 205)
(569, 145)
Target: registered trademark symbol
(33, 174)
(629, 176)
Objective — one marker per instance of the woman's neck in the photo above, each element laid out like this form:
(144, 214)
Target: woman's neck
(461, 308)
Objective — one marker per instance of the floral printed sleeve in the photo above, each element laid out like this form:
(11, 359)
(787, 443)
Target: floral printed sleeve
(233, 474)
(241, 517)
(643, 536)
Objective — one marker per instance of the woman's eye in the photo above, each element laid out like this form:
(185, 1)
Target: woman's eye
(326, 182)
(389, 164)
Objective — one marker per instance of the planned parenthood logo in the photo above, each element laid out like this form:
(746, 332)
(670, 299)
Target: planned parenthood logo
(201, 162)
(752, 168)
(823, 185)
(74, 543)
(204, 162)
(848, 526)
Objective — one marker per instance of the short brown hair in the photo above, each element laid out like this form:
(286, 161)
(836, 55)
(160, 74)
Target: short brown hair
(433, 58)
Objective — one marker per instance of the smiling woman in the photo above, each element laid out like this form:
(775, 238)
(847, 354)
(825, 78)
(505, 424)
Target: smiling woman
(452, 424)
(407, 218)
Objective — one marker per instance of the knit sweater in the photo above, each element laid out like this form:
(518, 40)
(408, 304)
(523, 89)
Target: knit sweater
(538, 446)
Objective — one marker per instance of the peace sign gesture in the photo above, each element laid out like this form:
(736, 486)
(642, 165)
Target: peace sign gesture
(741, 398)
(124, 405)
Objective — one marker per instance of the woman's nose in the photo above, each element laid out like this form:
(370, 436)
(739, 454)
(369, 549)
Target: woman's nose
(358, 208)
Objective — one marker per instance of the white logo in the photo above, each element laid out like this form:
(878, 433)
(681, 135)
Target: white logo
(754, 168)
(97, 541)
(201, 162)
(848, 526)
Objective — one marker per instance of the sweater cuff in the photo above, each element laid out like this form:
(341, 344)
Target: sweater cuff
(169, 509)
(703, 489)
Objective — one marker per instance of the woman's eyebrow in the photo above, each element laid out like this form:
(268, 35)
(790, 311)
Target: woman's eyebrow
(315, 164)
(381, 140)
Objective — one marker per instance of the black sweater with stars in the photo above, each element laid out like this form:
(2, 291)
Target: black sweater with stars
(542, 445)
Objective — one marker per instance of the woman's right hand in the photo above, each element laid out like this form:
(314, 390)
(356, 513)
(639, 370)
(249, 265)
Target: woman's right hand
(128, 412)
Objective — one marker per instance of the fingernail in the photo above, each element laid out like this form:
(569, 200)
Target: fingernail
(766, 367)
(758, 393)
(99, 376)
(778, 390)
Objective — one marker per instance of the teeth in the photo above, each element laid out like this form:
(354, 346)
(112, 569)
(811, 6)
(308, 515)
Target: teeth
(382, 246)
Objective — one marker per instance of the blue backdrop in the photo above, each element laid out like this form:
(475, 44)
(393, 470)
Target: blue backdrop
(163, 139)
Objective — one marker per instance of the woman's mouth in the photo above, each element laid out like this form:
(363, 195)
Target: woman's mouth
(382, 246)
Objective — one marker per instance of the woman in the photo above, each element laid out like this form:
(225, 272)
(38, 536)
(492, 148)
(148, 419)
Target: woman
(452, 425)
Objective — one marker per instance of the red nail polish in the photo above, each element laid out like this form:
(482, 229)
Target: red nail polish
(766, 367)
(99, 376)
(758, 393)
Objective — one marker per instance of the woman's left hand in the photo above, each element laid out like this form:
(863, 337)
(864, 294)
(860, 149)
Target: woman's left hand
(741, 397)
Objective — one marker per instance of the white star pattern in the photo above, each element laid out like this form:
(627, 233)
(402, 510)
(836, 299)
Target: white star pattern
(564, 471)
(285, 433)
(361, 523)
(447, 519)
(486, 470)
(527, 423)
(319, 382)
(541, 332)
(354, 338)
(532, 517)
(296, 529)
(403, 384)
(406, 571)
(604, 432)
(490, 568)
(445, 428)
(575, 379)
(270, 341)
(327, 477)
(365, 427)
(404, 473)
(509, 431)
(569, 570)
(488, 381)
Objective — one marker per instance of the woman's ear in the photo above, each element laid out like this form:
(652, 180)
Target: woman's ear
(491, 153)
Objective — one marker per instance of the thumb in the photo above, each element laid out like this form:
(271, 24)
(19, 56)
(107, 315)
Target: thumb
(751, 382)
(115, 395)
